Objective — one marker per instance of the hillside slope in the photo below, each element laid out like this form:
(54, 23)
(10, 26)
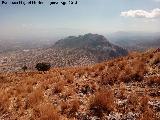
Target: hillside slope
(123, 88)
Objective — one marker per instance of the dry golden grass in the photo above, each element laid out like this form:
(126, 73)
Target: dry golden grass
(60, 92)
(64, 107)
(153, 80)
(148, 115)
(35, 97)
(144, 103)
(103, 101)
(133, 101)
(74, 106)
(156, 59)
(58, 88)
(3, 106)
(3, 79)
(69, 77)
(48, 112)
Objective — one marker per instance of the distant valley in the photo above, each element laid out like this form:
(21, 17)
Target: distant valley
(71, 51)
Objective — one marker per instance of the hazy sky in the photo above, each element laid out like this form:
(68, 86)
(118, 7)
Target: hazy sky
(95, 16)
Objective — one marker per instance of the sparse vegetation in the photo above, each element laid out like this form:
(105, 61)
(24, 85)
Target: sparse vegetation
(121, 89)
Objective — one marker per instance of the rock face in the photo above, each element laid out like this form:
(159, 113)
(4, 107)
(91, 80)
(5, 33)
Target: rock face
(94, 44)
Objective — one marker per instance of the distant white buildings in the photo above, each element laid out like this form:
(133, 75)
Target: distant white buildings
(25, 50)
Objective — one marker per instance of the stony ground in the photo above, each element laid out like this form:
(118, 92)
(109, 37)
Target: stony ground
(15, 60)
(126, 88)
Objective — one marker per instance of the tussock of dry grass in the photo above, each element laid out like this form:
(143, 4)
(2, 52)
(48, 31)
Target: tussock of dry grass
(103, 101)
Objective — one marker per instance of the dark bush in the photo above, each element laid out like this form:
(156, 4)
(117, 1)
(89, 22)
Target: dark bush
(24, 68)
(43, 66)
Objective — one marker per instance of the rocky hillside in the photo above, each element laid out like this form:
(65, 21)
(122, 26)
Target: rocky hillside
(125, 88)
(95, 44)
(71, 51)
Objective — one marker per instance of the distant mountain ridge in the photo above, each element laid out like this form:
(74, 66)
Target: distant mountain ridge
(93, 43)
(136, 41)
(83, 41)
